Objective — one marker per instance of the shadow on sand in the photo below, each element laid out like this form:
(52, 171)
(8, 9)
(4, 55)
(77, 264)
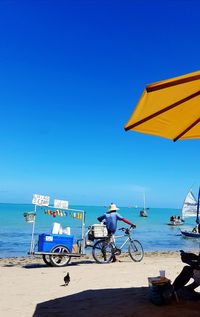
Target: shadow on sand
(43, 265)
(120, 302)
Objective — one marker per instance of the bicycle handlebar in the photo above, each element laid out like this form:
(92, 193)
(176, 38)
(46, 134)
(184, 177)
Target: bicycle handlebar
(122, 229)
(127, 230)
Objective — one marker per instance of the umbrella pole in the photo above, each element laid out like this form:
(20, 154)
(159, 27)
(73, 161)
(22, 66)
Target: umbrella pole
(198, 203)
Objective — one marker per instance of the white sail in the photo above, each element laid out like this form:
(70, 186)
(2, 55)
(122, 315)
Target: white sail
(189, 206)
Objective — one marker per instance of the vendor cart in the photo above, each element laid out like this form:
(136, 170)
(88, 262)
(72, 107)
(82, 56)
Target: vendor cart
(56, 249)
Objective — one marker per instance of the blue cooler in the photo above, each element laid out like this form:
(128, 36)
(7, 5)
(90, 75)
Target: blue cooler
(48, 241)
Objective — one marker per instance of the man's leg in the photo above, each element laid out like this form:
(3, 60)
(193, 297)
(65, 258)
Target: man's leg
(183, 278)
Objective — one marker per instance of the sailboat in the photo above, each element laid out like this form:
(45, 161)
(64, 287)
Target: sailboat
(143, 212)
(191, 209)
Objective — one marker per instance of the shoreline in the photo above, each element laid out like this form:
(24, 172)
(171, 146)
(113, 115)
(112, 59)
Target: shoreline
(21, 260)
(32, 261)
(88, 253)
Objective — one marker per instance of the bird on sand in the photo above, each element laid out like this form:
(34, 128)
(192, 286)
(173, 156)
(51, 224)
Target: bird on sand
(67, 279)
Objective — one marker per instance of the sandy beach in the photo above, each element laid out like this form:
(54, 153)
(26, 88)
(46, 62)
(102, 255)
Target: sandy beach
(30, 288)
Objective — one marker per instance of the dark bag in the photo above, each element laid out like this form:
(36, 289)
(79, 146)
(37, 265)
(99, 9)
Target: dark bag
(161, 294)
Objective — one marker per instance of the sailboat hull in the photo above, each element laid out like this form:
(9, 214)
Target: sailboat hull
(190, 234)
(143, 213)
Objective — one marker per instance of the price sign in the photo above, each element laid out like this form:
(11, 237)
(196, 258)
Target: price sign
(61, 204)
(40, 200)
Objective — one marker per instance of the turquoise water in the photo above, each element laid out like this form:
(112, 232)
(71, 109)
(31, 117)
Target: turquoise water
(153, 231)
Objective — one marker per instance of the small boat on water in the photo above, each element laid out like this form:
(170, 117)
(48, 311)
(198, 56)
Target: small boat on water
(175, 221)
(190, 234)
(143, 212)
(191, 209)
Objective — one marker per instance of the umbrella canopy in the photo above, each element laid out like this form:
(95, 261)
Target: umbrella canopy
(169, 108)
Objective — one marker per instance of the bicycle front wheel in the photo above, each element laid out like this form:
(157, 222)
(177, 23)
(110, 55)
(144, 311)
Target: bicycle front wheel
(102, 251)
(136, 251)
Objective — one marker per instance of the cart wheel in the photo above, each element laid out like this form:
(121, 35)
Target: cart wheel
(46, 259)
(59, 260)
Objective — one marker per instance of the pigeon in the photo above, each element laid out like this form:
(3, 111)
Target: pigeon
(67, 279)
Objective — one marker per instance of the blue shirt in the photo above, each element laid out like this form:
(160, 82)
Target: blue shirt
(111, 219)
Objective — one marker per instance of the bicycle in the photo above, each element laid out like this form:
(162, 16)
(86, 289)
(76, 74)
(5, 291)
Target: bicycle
(105, 249)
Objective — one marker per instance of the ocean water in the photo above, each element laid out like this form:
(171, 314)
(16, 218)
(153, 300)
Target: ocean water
(152, 231)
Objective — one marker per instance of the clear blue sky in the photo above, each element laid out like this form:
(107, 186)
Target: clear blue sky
(71, 73)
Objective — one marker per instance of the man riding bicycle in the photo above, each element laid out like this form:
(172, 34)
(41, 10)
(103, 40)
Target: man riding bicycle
(110, 218)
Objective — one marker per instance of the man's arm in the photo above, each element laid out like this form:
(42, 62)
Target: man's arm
(101, 218)
(128, 222)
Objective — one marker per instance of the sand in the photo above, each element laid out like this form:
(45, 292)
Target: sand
(29, 288)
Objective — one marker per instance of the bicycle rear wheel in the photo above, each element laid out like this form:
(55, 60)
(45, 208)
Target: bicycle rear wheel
(102, 251)
(136, 251)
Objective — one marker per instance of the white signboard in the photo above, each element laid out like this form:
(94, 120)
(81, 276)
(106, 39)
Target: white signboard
(61, 204)
(40, 200)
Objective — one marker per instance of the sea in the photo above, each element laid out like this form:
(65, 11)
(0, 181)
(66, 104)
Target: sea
(152, 231)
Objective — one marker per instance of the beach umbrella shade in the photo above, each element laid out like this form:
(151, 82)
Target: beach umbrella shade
(169, 108)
